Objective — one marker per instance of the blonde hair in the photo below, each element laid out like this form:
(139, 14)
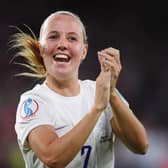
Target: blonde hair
(64, 13)
(28, 46)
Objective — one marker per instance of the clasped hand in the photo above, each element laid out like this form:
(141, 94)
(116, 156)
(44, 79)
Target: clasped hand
(110, 64)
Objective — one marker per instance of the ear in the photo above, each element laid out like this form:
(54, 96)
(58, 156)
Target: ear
(41, 48)
(85, 50)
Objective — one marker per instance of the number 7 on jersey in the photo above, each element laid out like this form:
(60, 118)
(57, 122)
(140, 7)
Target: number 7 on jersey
(86, 150)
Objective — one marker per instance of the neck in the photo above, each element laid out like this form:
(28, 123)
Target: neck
(64, 87)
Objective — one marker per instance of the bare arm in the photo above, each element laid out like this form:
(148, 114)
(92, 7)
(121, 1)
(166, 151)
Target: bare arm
(58, 152)
(124, 123)
(127, 127)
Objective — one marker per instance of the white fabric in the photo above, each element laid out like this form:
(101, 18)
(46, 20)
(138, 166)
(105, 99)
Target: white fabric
(41, 106)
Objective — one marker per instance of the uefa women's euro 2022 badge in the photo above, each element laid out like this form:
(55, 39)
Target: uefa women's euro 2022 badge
(28, 108)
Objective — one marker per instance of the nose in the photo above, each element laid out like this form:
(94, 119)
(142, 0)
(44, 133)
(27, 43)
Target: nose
(62, 44)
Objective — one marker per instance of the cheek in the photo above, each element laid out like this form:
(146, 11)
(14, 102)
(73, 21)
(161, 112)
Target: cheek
(48, 60)
(47, 57)
(77, 50)
(48, 49)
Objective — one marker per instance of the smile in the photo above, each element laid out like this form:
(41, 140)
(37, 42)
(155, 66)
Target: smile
(61, 58)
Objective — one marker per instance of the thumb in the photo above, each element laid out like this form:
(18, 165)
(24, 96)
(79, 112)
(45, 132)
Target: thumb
(100, 58)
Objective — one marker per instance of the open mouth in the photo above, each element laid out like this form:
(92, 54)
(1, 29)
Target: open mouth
(61, 58)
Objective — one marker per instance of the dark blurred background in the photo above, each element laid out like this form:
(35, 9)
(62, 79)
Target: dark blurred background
(138, 28)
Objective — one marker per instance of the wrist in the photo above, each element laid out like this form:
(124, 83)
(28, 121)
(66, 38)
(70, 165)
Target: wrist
(113, 95)
(97, 110)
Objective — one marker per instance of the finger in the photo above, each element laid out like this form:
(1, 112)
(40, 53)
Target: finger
(100, 61)
(113, 66)
(113, 53)
(106, 56)
(109, 58)
(105, 65)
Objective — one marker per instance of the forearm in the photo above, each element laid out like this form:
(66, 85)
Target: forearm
(129, 128)
(64, 149)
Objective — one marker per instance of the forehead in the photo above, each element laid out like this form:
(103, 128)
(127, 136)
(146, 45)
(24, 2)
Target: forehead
(62, 23)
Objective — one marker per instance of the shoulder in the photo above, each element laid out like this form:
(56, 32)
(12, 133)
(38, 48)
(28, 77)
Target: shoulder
(32, 103)
(37, 91)
(34, 94)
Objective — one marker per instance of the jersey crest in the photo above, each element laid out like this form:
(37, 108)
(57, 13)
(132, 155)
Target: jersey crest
(28, 108)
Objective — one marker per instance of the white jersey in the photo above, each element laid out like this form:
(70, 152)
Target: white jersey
(41, 106)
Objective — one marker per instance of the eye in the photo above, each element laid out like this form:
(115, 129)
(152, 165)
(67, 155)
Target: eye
(53, 37)
(72, 38)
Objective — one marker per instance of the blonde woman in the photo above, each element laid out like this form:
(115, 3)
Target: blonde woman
(65, 121)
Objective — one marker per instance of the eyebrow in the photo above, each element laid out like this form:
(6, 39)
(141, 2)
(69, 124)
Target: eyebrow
(69, 33)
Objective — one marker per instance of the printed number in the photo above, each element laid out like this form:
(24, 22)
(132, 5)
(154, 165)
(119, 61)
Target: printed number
(86, 150)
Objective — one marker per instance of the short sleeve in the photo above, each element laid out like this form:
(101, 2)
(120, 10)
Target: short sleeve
(32, 111)
(122, 97)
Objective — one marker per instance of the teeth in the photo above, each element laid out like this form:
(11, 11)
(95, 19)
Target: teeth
(61, 56)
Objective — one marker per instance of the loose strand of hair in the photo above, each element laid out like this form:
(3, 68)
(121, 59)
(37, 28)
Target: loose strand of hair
(28, 49)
